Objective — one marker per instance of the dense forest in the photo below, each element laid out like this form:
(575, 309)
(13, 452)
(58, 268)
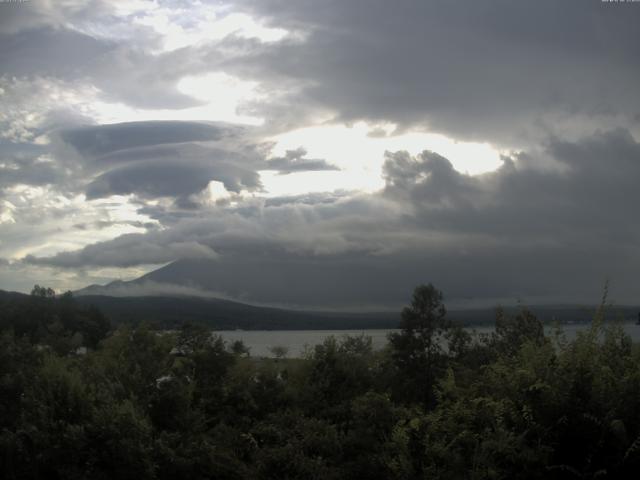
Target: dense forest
(80, 398)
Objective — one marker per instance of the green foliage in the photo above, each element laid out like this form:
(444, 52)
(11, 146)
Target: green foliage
(279, 351)
(56, 321)
(439, 402)
(338, 370)
(293, 446)
(418, 349)
(512, 333)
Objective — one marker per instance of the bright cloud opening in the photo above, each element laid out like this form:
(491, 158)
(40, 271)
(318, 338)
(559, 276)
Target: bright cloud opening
(222, 97)
(360, 156)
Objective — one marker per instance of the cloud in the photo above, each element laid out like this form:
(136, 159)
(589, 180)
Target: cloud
(161, 158)
(537, 81)
(312, 198)
(32, 106)
(49, 52)
(99, 41)
(101, 224)
(134, 53)
(587, 196)
(520, 231)
(24, 16)
(127, 250)
(101, 140)
(175, 178)
(22, 168)
(497, 72)
(489, 71)
(294, 161)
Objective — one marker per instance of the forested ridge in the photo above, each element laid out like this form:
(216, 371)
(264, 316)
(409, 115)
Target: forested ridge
(80, 398)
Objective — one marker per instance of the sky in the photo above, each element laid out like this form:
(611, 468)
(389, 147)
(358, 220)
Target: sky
(490, 147)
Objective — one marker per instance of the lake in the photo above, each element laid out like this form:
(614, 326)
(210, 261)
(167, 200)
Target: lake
(260, 341)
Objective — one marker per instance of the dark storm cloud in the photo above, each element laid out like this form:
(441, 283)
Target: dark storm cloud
(294, 161)
(485, 70)
(590, 195)
(515, 232)
(540, 77)
(495, 71)
(128, 250)
(61, 52)
(152, 179)
(176, 159)
(101, 140)
(163, 158)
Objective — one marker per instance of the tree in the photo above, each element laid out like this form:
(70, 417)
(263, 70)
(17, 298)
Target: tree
(279, 351)
(240, 349)
(42, 292)
(417, 350)
(514, 331)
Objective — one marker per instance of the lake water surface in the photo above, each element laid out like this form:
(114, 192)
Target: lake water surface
(296, 341)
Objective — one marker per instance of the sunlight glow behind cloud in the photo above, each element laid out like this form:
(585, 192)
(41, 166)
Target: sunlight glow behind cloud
(222, 97)
(221, 103)
(360, 157)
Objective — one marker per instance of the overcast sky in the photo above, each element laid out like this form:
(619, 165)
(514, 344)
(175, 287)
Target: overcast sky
(489, 146)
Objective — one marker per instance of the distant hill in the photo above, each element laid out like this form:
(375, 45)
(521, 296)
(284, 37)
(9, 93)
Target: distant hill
(169, 312)
(5, 295)
(172, 311)
(347, 284)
